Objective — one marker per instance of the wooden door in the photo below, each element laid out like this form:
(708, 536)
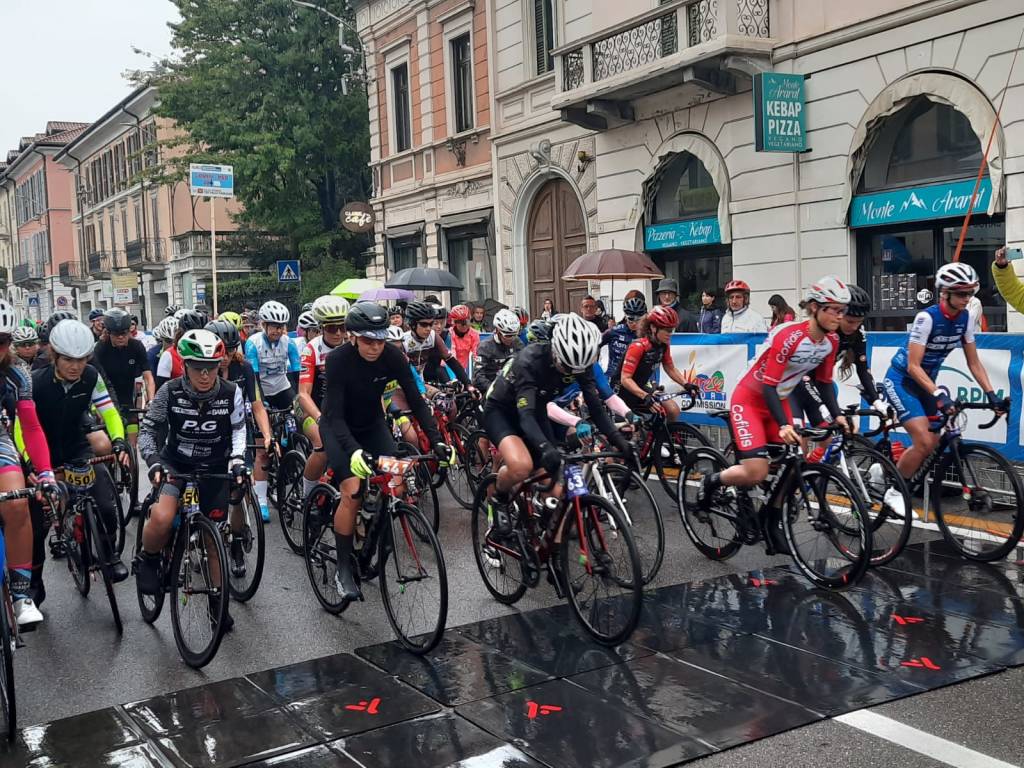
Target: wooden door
(556, 232)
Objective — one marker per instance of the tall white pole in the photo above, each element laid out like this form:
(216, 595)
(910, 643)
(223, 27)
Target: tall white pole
(213, 250)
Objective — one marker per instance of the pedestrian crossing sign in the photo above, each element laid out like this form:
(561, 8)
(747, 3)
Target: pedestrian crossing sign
(289, 271)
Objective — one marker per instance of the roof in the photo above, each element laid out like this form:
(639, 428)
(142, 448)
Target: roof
(59, 126)
(56, 135)
(91, 128)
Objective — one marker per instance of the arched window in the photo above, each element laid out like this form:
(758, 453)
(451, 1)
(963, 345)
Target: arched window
(686, 191)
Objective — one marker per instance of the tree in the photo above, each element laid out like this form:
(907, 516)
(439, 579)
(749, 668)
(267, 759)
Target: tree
(257, 84)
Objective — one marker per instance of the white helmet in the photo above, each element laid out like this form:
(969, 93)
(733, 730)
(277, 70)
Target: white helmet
(330, 309)
(395, 333)
(956, 275)
(166, 329)
(23, 334)
(306, 321)
(506, 321)
(274, 312)
(72, 338)
(575, 343)
(8, 317)
(829, 290)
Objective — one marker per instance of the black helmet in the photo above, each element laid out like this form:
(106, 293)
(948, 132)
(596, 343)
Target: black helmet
(171, 310)
(61, 314)
(190, 320)
(440, 313)
(367, 318)
(116, 320)
(539, 332)
(420, 310)
(307, 307)
(135, 319)
(226, 332)
(860, 302)
(635, 306)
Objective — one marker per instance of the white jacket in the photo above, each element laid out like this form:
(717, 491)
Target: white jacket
(744, 321)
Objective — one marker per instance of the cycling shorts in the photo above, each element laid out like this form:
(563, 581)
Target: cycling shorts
(499, 424)
(9, 458)
(280, 401)
(907, 398)
(376, 441)
(214, 494)
(753, 427)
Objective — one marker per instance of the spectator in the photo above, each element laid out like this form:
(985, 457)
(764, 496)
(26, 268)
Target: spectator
(739, 317)
(548, 311)
(479, 320)
(465, 340)
(668, 296)
(710, 319)
(588, 310)
(1010, 286)
(781, 311)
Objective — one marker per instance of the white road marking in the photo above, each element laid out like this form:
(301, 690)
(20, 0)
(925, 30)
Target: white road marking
(923, 743)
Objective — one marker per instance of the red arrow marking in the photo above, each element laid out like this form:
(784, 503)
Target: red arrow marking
(369, 707)
(762, 582)
(904, 620)
(923, 663)
(533, 709)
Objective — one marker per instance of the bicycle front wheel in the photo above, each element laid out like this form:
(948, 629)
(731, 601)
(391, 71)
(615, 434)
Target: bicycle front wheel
(628, 492)
(76, 548)
(601, 572)
(7, 701)
(827, 527)
(318, 548)
(425, 497)
(683, 438)
(101, 544)
(149, 605)
(457, 478)
(985, 519)
(413, 578)
(713, 531)
(199, 591)
(290, 498)
(500, 566)
(247, 549)
(479, 462)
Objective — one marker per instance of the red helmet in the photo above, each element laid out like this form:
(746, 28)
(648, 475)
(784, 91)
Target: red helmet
(737, 285)
(458, 313)
(524, 316)
(663, 317)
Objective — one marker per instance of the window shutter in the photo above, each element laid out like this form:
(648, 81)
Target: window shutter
(540, 37)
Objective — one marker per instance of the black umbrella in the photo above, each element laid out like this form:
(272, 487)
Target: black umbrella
(424, 279)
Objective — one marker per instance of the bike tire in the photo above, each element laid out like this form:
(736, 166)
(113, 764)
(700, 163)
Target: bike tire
(479, 462)
(290, 499)
(494, 563)
(77, 554)
(8, 701)
(425, 498)
(254, 541)
(1000, 536)
(683, 439)
(302, 444)
(320, 555)
(623, 609)
(641, 512)
(149, 605)
(94, 532)
(215, 605)
(457, 478)
(122, 525)
(419, 542)
(711, 543)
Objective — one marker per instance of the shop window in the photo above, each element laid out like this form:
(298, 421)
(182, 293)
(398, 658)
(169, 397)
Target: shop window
(404, 255)
(470, 260)
(686, 191)
(697, 270)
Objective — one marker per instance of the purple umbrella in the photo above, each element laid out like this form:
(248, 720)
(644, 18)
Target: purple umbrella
(387, 294)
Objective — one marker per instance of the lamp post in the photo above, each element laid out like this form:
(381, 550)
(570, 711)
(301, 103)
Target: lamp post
(345, 47)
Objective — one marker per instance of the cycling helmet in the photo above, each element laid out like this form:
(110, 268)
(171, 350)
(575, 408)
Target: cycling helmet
(663, 317)
(172, 310)
(393, 310)
(306, 321)
(635, 307)
(736, 285)
(24, 334)
(369, 319)
(200, 346)
(860, 302)
(458, 313)
(829, 290)
(8, 317)
(956, 275)
(252, 317)
(190, 320)
(505, 321)
(275, 312)
(575, 343)
(95, 314)
(395, 333)
(226, 332)
(523, 315)
(117, 320)
(440, 313)
(72, 338)
(420, 310)
(538, 332)
(166, 329)
(330, 309)
(307, 307)
(232, 317)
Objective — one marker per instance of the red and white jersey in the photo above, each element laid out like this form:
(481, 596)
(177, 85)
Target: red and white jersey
(311, 370)
(791, 355)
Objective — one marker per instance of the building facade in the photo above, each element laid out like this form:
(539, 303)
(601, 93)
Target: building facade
(430, 132)
(8, 229)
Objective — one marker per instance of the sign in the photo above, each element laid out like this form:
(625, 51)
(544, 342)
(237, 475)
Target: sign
(682, 234)
(935, 201)
(211, 180)
(122, 295)
(289, 271)
(357, 217)
(63, 302)
(780, 124)
(200, 293)
(33, 300)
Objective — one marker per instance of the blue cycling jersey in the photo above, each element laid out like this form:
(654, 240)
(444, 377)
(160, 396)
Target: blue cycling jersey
(618, 338)
(604, 389)
(272, 362)
(939, 335)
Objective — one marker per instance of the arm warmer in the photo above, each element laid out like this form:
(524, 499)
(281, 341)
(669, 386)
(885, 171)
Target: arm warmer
(33, 437)
(617, 405)
(559, 415)
(105, 407)
(827, 393)
(238, 435)
(771, 399)
(153, 430)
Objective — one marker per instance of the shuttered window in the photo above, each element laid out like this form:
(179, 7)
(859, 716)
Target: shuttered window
(403, 122)
(543, 35)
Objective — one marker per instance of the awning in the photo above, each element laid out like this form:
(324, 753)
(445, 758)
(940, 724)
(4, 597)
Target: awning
(405, 232)
(467, 224)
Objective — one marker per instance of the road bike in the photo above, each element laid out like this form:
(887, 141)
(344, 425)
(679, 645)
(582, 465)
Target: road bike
(662, 445)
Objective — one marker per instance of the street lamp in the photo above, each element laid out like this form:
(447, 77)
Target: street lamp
(342, 26)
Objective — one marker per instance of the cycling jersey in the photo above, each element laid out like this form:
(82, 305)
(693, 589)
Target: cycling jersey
(153, 357)
(426, 356)
(169, 366)
(604, 388)
(313, 361)
(640, 363)
(121, 366)
(19, 408)
(241, 374)
(791, 354)
(938, 334)
(491, 355)
(272, 362)
(465, 346)
(617, 338)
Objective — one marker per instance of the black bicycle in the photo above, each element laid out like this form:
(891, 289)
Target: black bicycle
(662, 445)
(285, 436)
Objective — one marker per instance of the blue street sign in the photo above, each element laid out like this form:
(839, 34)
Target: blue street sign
(289, 271)
(682, 234)
(33, 300)
(211, 180)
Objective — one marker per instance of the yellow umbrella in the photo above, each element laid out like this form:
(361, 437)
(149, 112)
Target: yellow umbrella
(354, 286)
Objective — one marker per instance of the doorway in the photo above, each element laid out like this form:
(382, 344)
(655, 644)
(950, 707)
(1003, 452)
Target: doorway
(556, 234)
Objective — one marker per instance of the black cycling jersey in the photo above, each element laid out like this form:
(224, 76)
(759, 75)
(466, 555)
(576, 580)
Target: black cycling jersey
(530, 381)
(121, 366)
(241, 374)
(490, 357)
(61, 406)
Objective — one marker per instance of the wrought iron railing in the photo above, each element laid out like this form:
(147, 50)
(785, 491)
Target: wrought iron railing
(70, 272)
(143, 253)
(703, 21)
(634, 47)
(752, 18)
(100, 262)
(572, 64)
(31, 270)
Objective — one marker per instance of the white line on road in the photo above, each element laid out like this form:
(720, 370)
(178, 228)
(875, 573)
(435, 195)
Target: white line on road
(923, 743)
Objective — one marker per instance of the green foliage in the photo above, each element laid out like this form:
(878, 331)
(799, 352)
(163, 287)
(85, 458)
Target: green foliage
(254, 289)
(319, 280)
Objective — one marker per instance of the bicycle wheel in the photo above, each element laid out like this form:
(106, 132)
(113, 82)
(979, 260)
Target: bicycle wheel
(827, 528)
(457, 478)
(122, 524)
(318, 546)
(149, 605)
(628, 492)
(479, 461)
(425, 496)
(7, 699)
(500, 568)
(95, 532)
(290, 498)
(413, 579)
(984, 521)
(600, 569)
(199, 597)
(713, 532)
(302, 444)
(76, 549)
(683, 438)
(886, 495)
(253, 546)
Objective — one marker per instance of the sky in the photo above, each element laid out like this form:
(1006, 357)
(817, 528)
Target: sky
(64, 59)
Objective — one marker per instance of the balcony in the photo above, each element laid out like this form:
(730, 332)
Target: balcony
(100, 265)
(25, 275)
(713, 45)
(145, 255)
(71, 273)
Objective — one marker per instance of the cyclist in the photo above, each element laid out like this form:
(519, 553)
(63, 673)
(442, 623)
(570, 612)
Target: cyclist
(425, 348)
(396, 316)
(330, 313)
(170, 365)
(642, 359)
(122, 360)
(232, 317)
(759, 409)
(43, 357)
(395, 404)
(515, 412)
(250, 324)
(195, 425)
(353, 427)
(26, 343)
(308, 329)
(164, 334)
(63, 392)
(739, 317)
(524, 320)
(620, 336)
(909, 384)
(492, 354)
(96, 323)
(465, 340)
